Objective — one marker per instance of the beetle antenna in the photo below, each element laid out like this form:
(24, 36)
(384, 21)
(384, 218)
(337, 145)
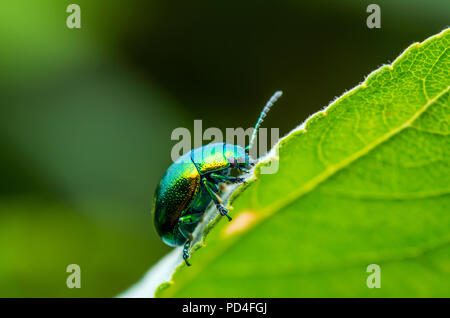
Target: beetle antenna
(264, 112)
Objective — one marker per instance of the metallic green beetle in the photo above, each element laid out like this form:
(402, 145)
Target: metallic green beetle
(191, 183)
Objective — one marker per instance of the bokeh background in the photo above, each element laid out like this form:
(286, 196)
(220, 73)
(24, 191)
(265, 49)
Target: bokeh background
(86, 115)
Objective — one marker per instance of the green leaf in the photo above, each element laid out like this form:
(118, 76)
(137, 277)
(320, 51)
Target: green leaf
(366, 181)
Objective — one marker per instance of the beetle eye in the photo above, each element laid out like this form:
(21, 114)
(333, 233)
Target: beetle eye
(232, 161)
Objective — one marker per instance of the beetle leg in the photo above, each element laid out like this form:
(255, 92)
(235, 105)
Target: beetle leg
(190, 218)
(244, 170)
(217, 200)
(187, 219)
(186, 252)
(228, 179)
(223, 211)
(210, 188)
(187, 244)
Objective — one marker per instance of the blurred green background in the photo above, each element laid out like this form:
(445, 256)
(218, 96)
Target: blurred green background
(86, 115)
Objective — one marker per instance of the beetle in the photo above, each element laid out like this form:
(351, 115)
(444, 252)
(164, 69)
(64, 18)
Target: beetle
(191, 183)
